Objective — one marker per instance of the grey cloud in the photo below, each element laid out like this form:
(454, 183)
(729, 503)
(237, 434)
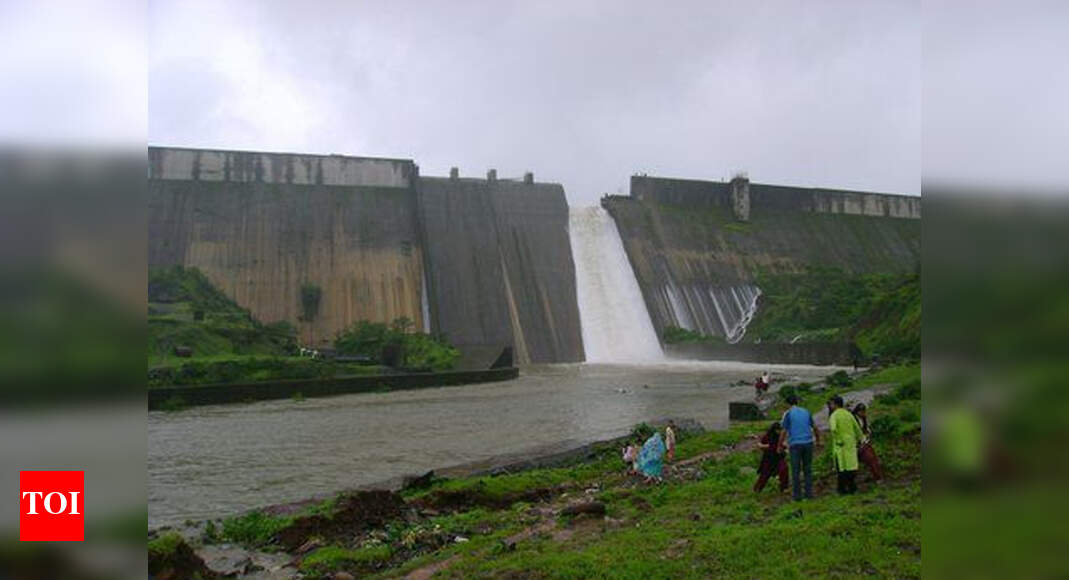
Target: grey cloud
(582, 93)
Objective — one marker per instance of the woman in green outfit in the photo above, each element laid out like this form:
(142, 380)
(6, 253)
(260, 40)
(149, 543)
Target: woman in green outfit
(845, 436)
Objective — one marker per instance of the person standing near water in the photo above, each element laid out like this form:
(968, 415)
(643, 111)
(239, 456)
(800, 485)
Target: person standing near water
(865, 453)
(800, 433)
(761, 385)
(631, 456)
(670, 439)
(845, 436)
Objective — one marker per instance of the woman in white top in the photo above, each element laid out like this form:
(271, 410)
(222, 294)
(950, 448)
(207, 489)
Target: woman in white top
(670, 439)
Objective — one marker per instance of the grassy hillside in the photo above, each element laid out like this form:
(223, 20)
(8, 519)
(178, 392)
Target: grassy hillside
(880, 312)
(229, 345)
(185, 309)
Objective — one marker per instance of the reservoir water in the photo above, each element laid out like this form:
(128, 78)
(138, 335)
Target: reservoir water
(221, 460)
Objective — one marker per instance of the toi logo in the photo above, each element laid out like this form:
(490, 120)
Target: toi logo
(50, 506)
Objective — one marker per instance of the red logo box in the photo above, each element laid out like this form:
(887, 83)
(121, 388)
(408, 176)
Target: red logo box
(51, 506)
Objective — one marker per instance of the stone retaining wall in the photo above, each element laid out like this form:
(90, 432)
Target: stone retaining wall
(247, 392)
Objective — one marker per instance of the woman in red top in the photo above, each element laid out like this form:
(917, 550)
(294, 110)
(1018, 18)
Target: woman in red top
(772, 460)
(865, 453)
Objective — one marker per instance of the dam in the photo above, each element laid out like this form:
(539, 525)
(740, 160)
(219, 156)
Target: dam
(490, 262)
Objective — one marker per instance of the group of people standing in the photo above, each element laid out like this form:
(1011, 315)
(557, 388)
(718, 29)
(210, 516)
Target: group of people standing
(797, 433)
(648, 458)
(793, 438)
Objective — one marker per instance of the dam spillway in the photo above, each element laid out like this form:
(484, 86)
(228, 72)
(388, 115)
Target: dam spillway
(616, 327)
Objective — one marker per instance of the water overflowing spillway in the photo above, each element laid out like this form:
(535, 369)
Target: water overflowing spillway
(723, 311)
(615, 324)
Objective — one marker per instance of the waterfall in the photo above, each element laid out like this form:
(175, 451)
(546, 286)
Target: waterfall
(717, 311)
(615, 324)
(736, 306)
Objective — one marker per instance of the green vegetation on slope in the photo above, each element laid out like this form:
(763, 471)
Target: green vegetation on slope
(185, 309)
(396, 345)
(228, 345)
(892, 325)
(880, 312)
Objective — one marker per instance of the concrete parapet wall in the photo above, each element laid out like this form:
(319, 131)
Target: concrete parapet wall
(773, 198)
(245, 166)
(245, 392)
(680, 191)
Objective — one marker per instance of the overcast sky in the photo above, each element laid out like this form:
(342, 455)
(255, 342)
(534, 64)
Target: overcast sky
(583, 93)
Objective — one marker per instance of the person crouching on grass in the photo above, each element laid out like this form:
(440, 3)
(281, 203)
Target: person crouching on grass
(845, 437)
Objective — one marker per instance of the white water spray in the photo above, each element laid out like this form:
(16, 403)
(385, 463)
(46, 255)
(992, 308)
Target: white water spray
(615, 324)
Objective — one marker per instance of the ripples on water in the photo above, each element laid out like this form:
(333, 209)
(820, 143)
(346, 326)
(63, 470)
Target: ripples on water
(221, 460)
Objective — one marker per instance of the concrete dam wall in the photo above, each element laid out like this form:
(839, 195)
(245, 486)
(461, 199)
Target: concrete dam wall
(499, 267)
(489, 262)
(485, 262)
(261, 232)
(697, 247)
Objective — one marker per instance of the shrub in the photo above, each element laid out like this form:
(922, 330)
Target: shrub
(375, 341)
(239, 370)
(885, 427)
(334, 557)
(642, 431)
(908, 416)
(909, 391)
(839, 379)
(165, 545)
(888, 399)
(253, 528)
(211, 533)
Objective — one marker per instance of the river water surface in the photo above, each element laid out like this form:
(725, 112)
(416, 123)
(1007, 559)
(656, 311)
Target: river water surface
(221, 460)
